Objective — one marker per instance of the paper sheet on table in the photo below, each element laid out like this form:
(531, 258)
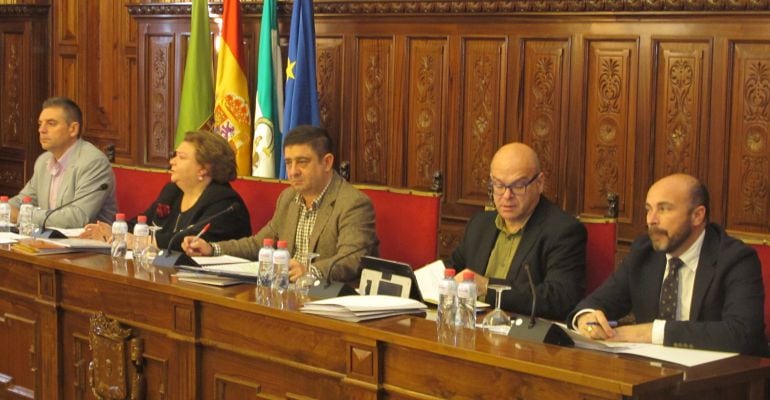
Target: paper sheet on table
(219, 260)
(10, 237)
(428, 278)
(686, 357)
(68, 232)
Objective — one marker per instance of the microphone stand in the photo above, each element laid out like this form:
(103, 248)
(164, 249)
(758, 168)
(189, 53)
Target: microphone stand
(538, 330)
(53, 233)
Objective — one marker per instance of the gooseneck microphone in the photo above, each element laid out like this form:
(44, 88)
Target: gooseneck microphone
(53, 233)
(170, 258)
(331, 288)
(537, 330)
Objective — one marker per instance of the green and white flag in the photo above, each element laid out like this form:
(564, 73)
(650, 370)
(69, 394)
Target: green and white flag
(196, 107)
(268, 115)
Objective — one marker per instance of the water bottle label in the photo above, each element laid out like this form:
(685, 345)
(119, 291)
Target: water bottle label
(466, 292)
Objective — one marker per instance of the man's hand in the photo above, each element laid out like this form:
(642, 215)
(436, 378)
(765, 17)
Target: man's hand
(194, 246)
(296, 270)
(98, 231)
(641, 333)
(594, 325)
(481, 281)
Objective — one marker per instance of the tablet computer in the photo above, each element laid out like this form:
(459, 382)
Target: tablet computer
(387, 268)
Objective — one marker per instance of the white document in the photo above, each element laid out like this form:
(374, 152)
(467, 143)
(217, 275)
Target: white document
(247, 269)
(218, 260)
(366, 303)
(428, 278)
(10, 237)
(677, 355)
(69, 232)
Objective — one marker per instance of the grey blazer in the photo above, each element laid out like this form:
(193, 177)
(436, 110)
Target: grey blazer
(345, 222)
(87, 169)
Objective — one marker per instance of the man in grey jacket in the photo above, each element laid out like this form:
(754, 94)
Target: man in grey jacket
(70, 169)
(319, 213)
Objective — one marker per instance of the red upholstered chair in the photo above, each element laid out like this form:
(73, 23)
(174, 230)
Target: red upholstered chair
(407, 223)
(260, 195)
(600, 249)
(136, 188)
(763, 251)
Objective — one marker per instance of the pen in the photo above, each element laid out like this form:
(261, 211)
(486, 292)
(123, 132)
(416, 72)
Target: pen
(613, 324)
(203, 231)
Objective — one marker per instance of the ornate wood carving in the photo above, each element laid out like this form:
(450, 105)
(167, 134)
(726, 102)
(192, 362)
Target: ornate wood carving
(610, 118)
(159, 115)
(374, 114)
(425, 110)
(329, 54)
(680, 108)
(12, 79)
(543, 80)
(20, 338)
(115, 372)
(482, 108)
(749, 164)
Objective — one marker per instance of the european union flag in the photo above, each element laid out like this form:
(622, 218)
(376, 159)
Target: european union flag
(301, 89)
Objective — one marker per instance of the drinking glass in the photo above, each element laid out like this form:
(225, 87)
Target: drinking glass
(309, 278)
(151, 251)
(497, 321)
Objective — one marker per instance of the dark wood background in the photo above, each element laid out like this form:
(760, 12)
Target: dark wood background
(612, 94)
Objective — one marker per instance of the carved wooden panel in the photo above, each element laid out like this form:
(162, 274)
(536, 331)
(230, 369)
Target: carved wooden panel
(114, 372)
(11, 99)
(68, 19)
(20, 357)
(681, 124)
(545, 76)
(66, 75)
(160, 99)
(373, 116)
(425, 111)
(482, 113)
(748, 197)
(612, 68)
(11, 175)
(329, 70)
(233, 388)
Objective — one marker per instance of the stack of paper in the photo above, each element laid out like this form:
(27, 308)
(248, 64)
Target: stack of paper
(207, 279)
(58, 246)
(359, 308)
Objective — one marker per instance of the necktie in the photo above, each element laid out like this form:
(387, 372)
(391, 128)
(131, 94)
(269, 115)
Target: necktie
(669, 292)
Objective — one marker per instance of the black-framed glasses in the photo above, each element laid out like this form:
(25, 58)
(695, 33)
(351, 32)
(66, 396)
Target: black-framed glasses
(518, 188)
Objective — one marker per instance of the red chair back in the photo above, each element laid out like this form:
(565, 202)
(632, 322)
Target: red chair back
(260, 196)
(763, 251)
(407, 223)
(136, 188)
(600, 250)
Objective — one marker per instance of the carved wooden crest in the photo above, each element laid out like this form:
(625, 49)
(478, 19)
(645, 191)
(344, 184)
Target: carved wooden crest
(115, 371)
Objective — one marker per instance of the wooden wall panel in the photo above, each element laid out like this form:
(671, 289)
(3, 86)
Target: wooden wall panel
(329, 70)
(374, 113)
(610, 127)
(545, 96)
(14, 77)
(749, 163)
(681, 94)
(425, 111)
(159, 84)
(482, 113)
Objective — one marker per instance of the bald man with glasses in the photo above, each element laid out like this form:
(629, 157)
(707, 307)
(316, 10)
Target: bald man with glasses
(525, 228)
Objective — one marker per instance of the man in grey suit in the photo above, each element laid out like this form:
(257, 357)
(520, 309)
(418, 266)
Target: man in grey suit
(320, 213)
(69, 169)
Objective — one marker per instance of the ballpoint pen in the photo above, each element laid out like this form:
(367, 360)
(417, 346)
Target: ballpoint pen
(203, 231)
(613, 324)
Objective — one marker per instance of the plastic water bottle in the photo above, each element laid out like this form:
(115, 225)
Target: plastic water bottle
(5, 214)
(26, 225)
(119, 231)
(466, 302)
(281, 259)
(447, 299)
(265, 271)
(141, 236)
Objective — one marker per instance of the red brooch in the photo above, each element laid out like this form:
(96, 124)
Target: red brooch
(162, 210)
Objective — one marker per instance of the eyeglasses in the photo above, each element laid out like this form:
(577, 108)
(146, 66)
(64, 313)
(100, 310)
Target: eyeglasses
(518, 188)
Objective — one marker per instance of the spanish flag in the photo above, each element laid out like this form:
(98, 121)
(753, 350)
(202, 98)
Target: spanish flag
(232, 111)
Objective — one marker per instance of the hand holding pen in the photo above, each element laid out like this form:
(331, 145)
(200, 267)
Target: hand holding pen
(203, 231)
(595, 325)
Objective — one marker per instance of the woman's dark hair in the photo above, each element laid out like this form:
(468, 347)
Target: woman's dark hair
(213, 151)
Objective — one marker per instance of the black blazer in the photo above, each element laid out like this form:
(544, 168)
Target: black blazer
(727, 311)
(554, 245)
(165, 212)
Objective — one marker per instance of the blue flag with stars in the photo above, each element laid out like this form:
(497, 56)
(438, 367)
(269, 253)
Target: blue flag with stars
(301, 90)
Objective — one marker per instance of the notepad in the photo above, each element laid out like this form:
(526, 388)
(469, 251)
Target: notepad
(360, 308)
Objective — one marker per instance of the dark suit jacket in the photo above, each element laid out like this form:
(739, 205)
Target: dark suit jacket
(554, 245)
(343, 232)
(214, 199)
(727, 301)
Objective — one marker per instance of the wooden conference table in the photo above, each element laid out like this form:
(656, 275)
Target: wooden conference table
(73, 321)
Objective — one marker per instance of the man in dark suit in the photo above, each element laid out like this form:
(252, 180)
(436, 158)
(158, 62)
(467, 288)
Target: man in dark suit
(687, 283)
(525, 229)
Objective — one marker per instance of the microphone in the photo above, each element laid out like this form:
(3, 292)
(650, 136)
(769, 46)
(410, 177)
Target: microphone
(53, 233)
(537, 330)
(331, 288)
(170, 258)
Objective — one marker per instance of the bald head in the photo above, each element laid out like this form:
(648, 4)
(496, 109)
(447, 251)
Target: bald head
(677, 213)
(516, 156)
(686, 187)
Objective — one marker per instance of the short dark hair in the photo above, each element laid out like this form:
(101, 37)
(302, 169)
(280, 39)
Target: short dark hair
(314, 136)
(212, 150)
(71, 109)
(699, 196)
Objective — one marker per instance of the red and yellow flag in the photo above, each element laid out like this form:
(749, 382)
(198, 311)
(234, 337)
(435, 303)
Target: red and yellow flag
(232, 111)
